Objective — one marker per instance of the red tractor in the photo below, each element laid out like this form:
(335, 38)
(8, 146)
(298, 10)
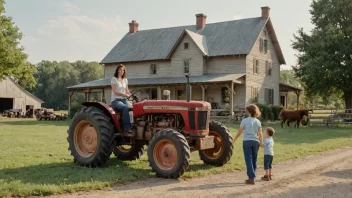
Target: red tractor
(171, 129)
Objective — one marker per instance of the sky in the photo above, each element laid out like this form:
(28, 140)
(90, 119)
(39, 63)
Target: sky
(88, 29)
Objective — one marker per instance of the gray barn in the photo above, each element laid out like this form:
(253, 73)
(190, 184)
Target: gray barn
(13, 96)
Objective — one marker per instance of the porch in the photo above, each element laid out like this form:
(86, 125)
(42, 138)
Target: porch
(226, 92)
(284, 90)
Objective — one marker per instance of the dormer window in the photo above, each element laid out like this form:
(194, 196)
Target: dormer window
(186, 45)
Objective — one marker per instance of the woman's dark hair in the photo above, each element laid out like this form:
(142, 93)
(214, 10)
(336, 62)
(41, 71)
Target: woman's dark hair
(253, 110)
(116, 74)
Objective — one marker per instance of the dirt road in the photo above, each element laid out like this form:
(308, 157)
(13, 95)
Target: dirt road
(327, 174)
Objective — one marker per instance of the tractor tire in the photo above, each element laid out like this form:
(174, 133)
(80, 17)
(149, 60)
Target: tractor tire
(129, 154)
(222, 152)
(90, 137)
(168, 154)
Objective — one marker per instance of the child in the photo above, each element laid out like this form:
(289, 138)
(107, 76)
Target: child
(252, 140)
(268, 152)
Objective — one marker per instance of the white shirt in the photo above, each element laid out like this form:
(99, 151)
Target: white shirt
(121, 86)
(269, 146)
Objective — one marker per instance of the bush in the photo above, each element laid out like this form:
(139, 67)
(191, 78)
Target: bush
(74, 108)
(266, 111)
(276, 112)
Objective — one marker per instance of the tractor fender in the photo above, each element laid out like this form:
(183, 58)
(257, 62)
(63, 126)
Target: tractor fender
(109, 111)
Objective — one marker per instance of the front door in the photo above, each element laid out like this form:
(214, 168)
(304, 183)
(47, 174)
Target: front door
(283, 101)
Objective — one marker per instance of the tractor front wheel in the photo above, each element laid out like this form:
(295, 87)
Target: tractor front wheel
(223, 149)
(168, 154)
(90, 137)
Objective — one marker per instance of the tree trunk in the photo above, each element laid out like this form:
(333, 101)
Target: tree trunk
(348, 101)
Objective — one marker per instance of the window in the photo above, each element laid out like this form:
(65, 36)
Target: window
(264, 32)
(153, 69)
(263, 45)
(179, 94)
(186, 45)
(254, 94)
(186, 66)
(268, 68)
(269, 96)
(255, 66)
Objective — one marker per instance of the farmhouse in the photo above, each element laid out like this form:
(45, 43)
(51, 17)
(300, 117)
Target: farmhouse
(232, 63)
(13, 96)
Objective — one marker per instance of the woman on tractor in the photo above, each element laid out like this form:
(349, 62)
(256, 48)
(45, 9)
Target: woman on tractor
(119, 95)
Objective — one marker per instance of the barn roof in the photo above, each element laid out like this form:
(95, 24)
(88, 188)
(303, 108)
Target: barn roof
(215, 39)
(163, 81)
(31, 95)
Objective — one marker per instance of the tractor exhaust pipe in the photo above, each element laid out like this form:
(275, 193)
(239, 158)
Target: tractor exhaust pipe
(188, 89)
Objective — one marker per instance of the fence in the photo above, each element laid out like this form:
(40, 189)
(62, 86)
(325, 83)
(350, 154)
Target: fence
(330, 116)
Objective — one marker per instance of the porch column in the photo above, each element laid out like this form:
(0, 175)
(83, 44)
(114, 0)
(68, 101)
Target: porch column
(158, 92)
(286, 100)
(231, 88)
(298, 93)
(203, 92)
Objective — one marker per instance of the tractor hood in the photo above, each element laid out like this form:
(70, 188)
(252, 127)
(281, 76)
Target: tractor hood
(171, 106)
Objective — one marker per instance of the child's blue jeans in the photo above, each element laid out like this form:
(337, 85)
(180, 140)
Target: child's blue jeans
(250, 150)
(268, 160)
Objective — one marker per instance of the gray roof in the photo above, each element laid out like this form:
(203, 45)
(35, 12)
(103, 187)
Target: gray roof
(224, 38)
(162, 81)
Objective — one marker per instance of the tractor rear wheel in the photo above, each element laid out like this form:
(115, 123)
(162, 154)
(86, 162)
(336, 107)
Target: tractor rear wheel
(168, 154)
(223, 149)
(129, 152)
(90, 137)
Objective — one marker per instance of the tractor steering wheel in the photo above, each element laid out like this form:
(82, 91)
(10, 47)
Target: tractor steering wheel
(133, 96)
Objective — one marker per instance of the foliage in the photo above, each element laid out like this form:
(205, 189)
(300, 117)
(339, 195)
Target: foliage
(325, 55)
(40, 164)
(266, 112)
(276, 112)
(13, 61)
(54, 78)
(74, 108)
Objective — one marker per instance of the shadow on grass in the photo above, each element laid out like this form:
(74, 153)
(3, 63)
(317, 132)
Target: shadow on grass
(67, 173)
(36, 122)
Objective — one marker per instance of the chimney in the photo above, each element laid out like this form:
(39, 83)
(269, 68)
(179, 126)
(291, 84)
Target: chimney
(201, 21)
(265, 12)
(133, 27)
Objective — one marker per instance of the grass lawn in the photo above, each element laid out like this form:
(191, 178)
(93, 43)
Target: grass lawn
(35, 159)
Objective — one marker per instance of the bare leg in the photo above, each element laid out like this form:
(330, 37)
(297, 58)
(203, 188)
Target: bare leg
(267, 172)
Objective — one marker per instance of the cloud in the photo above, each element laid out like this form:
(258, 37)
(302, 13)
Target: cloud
(71, 8)
(74, 37)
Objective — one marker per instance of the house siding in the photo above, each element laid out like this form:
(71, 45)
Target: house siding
(165, 68)
(260, 80)
(193, 53)
(226, 65)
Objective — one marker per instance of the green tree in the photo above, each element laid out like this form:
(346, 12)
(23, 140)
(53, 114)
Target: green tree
(12, 58)
(325, 55)
(88, 71)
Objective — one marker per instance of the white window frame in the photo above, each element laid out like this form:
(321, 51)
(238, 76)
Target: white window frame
(255, 66)
(184, 46)
(153, 69)
(269, 68)
(185, 66)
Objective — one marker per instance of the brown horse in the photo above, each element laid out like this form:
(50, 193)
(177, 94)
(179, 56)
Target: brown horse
(292, 115)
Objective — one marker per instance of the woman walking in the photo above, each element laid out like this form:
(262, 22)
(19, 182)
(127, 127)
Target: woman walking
(252, 140)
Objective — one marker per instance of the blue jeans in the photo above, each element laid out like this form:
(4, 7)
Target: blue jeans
(120, 105)
(250, 150)
(268, 160)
